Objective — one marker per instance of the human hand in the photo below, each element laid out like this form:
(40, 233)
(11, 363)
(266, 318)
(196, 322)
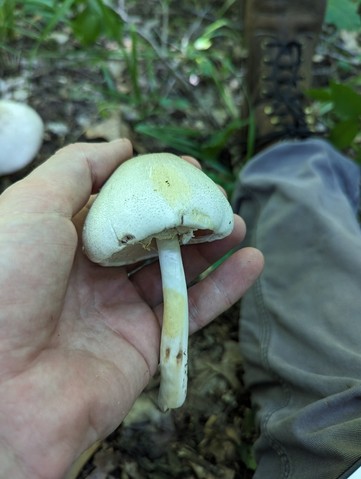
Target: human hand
(79, 342)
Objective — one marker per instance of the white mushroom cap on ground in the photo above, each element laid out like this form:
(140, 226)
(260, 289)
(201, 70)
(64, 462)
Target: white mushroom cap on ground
(150, 206)
(21, 135)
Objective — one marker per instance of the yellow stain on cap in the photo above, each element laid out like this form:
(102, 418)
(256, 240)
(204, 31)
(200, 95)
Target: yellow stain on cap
(169, 182)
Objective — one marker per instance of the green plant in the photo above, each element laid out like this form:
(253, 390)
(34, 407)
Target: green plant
(6, 20)
(340, 110)
(344, 15)
(338, 105)
(93, 18)
(161, 66)
(212, 64)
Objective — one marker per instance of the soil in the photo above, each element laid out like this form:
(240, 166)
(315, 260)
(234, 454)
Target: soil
(211, 436)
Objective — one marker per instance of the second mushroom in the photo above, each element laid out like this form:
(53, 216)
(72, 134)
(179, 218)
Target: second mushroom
(150, 206)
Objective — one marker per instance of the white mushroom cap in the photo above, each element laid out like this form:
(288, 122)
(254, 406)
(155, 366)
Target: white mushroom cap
(21, 135)
(153, 196)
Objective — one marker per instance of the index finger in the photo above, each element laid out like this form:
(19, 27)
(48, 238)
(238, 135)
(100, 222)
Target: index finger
(64, 183)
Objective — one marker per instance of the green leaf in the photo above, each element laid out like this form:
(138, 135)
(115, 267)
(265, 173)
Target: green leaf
(39, 6)
(94, 20)
(206, 67)
(214, 27)
(219, 140)
(58, 16)
(343, 14)
(343, 133)
(247, 456)
(181, 104)
(320, 94)
(347, 102)
(204, 42)
(112, 22)
(87, 26)
(184, 140)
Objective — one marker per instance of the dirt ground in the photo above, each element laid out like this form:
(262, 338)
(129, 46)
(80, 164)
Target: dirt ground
(212, 435)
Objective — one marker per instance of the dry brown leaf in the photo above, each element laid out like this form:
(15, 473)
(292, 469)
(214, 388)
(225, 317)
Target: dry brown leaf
(109, 129)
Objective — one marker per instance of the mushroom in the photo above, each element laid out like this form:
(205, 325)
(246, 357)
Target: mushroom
(150, 206)
(21, 135)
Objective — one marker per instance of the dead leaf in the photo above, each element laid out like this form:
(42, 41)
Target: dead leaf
(110, 129)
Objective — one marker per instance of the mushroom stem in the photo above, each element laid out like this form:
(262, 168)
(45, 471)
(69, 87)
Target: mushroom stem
(174, 337)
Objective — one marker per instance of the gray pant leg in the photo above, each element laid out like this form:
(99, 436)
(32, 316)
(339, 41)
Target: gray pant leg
(301, 323)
